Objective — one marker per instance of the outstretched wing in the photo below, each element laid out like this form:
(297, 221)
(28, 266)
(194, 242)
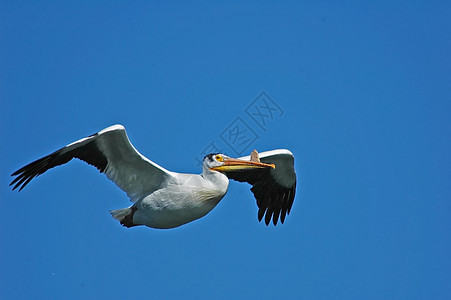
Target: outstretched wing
(274, 189)
(111, 152)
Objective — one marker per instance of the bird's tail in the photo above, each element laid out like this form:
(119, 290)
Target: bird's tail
(124, 215)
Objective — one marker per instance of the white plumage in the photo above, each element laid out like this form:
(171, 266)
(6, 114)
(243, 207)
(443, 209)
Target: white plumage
(165, 199)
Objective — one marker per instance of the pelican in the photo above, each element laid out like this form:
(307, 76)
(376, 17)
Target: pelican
(164, 199)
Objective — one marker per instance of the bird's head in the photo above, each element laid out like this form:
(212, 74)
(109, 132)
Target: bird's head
(222, 163)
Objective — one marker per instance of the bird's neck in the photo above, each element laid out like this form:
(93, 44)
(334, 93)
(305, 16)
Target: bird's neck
(218, 179)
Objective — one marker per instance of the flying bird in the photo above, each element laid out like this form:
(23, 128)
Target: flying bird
(165, 199)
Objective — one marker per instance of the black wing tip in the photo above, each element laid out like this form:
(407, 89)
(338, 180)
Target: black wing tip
(268, 214)
(274, 208)
(14, 187)
(268, 217)
(22, 180)
(274, 216)
(90, 153)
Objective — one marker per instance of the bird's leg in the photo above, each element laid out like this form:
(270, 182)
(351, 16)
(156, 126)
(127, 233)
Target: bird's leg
(127, 221)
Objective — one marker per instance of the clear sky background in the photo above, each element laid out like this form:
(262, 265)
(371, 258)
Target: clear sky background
(364, 99)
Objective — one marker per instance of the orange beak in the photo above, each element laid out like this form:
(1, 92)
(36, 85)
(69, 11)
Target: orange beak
(233, 164)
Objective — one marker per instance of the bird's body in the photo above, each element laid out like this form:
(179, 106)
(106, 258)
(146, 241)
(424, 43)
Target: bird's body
(166, 199)
(185, 198)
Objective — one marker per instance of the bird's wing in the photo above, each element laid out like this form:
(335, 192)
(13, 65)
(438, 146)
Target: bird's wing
(274, 189)
(111, 152)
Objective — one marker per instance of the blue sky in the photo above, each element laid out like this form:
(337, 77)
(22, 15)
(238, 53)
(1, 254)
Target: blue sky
(364, 97)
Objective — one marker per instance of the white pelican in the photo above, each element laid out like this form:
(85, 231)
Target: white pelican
(165, 199)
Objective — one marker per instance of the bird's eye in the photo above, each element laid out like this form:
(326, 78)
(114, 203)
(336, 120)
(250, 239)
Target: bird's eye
(218, 157)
